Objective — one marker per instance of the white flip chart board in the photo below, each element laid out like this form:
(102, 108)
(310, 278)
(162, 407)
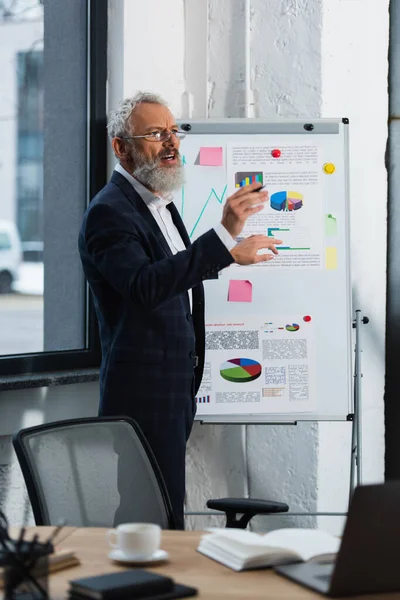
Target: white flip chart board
(278, 334)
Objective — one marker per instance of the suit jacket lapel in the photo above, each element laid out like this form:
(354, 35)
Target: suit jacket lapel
(197, 290)
(179, 223)
(141, 207)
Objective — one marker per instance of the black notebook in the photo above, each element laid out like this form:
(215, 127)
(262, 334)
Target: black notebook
(178, 591)
(131, 583)
(135, 584)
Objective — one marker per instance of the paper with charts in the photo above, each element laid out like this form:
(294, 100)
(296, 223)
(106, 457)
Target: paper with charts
(259, 366)
(293, 212)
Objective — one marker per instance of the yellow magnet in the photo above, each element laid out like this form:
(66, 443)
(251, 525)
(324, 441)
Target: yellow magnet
(329, 168)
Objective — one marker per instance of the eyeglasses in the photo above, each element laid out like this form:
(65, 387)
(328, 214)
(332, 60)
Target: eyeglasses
(158, 136)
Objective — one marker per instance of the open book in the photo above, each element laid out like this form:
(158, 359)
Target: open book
(241, 549)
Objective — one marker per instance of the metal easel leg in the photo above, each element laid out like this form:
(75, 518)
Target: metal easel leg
(356, 434)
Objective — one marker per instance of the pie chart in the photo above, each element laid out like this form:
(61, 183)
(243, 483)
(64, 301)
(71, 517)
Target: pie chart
(292, 327)
(240, 370)
(286, 201)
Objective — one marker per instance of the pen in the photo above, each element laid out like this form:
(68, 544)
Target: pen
(32, 558)
(258, 190)
(55, 532)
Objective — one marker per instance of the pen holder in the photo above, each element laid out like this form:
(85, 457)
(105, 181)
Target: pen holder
(26, 572)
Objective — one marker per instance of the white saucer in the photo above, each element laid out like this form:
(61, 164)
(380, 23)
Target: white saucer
(120, 556)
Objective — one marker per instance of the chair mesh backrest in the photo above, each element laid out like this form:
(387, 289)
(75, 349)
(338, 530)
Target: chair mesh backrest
(94, 474)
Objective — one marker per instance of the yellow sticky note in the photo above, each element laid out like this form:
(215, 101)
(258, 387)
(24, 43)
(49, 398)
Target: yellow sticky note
(331, 258)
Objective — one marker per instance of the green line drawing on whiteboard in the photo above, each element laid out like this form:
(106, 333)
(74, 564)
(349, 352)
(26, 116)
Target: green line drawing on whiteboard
(212, 193)
(220, 200)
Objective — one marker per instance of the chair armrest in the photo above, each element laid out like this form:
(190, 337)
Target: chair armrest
(247, 507)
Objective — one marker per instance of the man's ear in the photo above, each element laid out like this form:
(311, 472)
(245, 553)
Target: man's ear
(120, 148)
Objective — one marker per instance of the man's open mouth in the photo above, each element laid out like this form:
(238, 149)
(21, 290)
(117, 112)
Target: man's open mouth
(169, 157)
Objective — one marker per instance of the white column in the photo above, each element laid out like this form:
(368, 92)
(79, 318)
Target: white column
(354, 49)
(154, 48)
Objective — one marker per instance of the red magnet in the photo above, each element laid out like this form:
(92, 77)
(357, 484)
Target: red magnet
(307, 318)
(276, 153)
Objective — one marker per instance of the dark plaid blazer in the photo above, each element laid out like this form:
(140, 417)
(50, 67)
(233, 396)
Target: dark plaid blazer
(152, 345)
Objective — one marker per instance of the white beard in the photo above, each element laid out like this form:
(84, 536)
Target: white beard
(160, 179)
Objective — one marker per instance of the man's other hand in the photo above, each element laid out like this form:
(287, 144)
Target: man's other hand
(243, 203)
(245, 253)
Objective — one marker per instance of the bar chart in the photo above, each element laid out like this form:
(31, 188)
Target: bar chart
(245, 178)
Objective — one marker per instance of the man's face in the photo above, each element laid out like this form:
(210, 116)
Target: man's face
(148, 118)
(155, 164)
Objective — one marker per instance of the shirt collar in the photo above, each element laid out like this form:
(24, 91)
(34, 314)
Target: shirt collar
(150, 199)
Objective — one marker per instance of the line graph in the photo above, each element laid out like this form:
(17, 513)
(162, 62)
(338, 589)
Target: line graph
(213, 193)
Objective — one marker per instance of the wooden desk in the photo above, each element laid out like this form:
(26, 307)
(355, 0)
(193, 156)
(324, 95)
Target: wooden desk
(185, 566)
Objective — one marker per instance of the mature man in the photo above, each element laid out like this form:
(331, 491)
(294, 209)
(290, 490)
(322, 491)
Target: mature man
(146, 277)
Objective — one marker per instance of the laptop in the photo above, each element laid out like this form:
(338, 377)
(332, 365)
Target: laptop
(368, 557)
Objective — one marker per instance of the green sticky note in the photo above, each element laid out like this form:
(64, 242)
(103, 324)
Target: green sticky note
(330, 225)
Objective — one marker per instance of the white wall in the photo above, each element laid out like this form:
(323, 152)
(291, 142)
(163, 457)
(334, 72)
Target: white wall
(354, 48)
(309, 58)
(154, 44)
(279, 462)
(26, 408)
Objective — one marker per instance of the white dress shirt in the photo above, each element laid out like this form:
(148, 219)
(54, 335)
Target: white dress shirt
(162, 216)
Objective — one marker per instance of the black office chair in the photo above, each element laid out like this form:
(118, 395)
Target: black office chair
(100, 471)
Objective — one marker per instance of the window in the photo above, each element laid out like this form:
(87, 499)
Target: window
(5, 242)
(29, 164)
(54, 159)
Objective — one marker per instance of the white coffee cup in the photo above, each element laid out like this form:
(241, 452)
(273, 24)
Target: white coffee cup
(139, 540)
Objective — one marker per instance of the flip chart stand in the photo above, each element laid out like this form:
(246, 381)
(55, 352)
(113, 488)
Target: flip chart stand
(355, 417)
(356, 435)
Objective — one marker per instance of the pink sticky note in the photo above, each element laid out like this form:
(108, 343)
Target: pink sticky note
(240, 290)
(211, 157)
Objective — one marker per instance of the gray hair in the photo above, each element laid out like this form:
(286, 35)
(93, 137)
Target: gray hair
(118, 120)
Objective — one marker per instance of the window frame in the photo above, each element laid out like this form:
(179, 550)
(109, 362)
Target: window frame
(392, 412)
(96, 157)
